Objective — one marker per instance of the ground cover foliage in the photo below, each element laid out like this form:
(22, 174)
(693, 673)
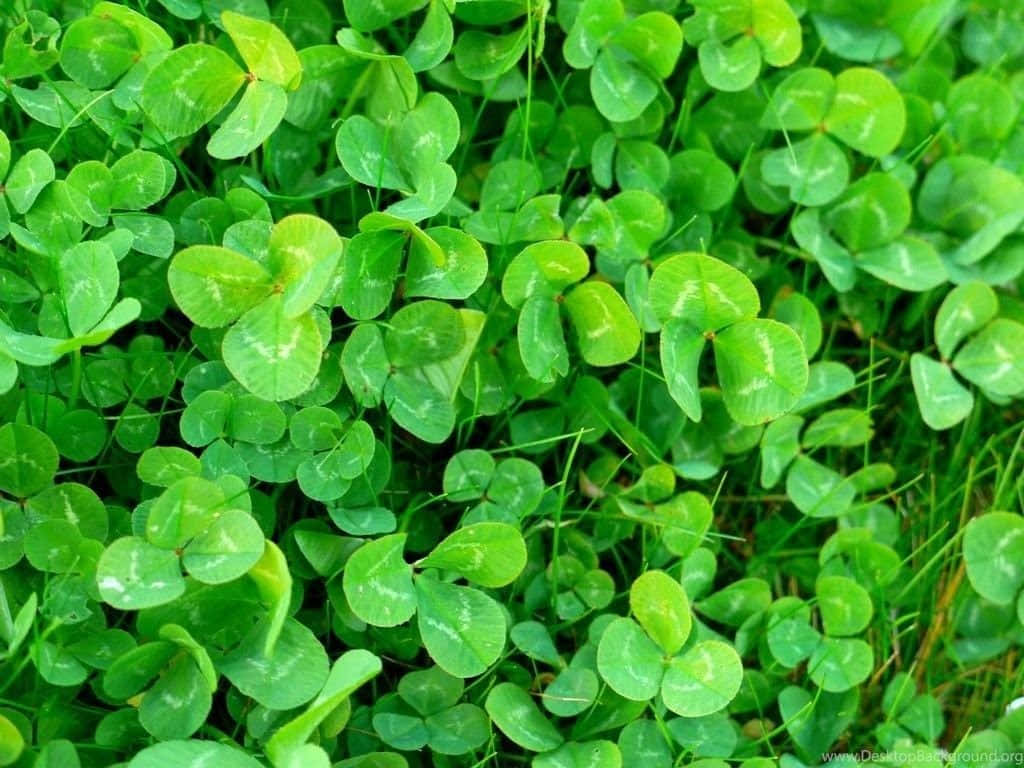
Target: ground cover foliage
(572, 384)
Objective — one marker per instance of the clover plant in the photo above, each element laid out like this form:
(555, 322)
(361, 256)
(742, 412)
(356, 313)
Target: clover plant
(556, 383)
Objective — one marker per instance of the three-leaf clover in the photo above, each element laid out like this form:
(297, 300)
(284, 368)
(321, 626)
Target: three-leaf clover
(644, 657)
(274, 345)
(196, 523)
(859, 107)
(462, 628)
(191, 85)
(535, 283)
(628, 58)
(762, 366)
(734, 38)
(864, 229)
(407, 154)
(992, 357)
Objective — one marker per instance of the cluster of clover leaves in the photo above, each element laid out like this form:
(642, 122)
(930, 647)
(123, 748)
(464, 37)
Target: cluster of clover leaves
(391, 383)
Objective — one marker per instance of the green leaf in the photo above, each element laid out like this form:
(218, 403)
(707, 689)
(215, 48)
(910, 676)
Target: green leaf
(427, 135)
(731, 67)
(835, 261)
(369, 272)
(251, 122)
(994, 358)
(458, 730)
(424, 332)
(853, 40)
(89, 281)
(149, 35)
(95, 51)
(274, 584)
(188, 88)
(701, 180)
(801, 101)
(818, 491)
(839, 664)
(595, 21)
(11, 742)
(433, 40)
(800, 314)
(362, 148)
(703, 680)
(653, 38)
(909, 263)
(509, 185)
(572, 692)
(52, 545)
(517, 716)
(231, 545)
(430, 690)
(487, 554)
(867, 112)
(287, 677)
(966, 309)
(543, 269)
(132, 574)
(483, 56)
(164, 466)
(660, 604)
(401, 731)
(365, 364)
(29, 460)
(120, 315)
(214, 286)
(533, 639)
(264, 48)
(303, 254)
(704, 291)
(183, 511)
(621, 90)
(140, 179)
(468, 474)
(629, 661)
(792, 641)
(943, 401)
(352, 669)
(254, 420)
(994, 555)
(378, 582)
(872, 211)
(178, 703)
(462, 629)
(778, 31)
(682, 345)
(419, 408)
(845, 605)
(762, 369)
(274, 356)
(32, 172)
(814, 169)
(589, 754)
(541, 341)
(687, 518)
(845, 427)
(369, 17)
(192, 753)
(463, 271)
(607, 331)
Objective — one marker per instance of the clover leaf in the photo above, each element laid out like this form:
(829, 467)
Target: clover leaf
(987, 359)
(734, 39)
